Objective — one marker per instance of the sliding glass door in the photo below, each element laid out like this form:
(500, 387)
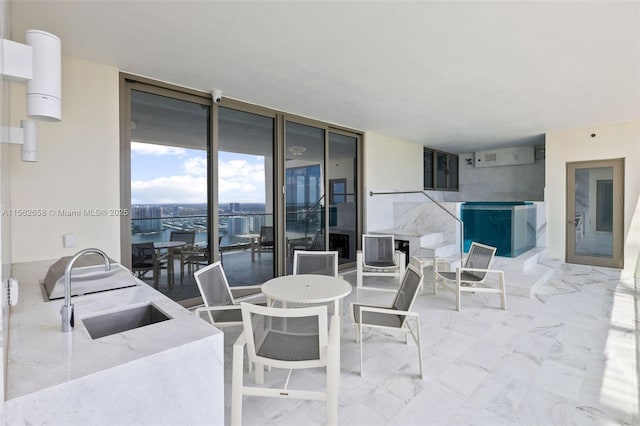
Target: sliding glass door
(321, 195)
(169, 192)
(304, 189)
(245, 196)
(342, 172)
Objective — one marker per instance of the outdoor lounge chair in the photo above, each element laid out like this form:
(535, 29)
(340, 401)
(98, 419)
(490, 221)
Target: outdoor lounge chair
(474, 272)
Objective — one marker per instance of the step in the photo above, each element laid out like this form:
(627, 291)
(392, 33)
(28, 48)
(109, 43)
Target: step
(523, 277)
(521, 263)
(526, 284)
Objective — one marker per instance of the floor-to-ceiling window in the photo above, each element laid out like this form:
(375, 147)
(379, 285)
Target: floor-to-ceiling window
(342, 174)
(245, 196)
(321, 190)
(168, 166)
(305, 197)
(233, 182)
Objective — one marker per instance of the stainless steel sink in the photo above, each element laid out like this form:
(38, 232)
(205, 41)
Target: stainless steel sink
(126, 319)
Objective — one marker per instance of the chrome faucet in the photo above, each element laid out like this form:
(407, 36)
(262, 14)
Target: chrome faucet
(67, 309)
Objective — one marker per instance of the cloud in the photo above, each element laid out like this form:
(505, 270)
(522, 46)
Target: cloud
(156, 150)
(195, 166)
(241, 181)
(238, 181)
(170, 189)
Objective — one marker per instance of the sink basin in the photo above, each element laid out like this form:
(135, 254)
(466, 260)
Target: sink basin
(127, 319)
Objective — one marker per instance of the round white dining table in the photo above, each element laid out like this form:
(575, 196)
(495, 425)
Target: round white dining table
(307, 289)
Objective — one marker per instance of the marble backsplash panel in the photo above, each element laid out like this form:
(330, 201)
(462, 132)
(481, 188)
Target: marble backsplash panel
(426, 218)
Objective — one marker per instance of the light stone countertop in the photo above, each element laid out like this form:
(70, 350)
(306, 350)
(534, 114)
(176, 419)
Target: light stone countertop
(403, 232)
(41, 356)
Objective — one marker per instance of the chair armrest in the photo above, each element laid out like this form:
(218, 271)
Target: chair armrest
(240, 341)
(497, 271)
(389, 311)
(242, 297)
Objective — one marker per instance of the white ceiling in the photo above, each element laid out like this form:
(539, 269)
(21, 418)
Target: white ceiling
(457, 76)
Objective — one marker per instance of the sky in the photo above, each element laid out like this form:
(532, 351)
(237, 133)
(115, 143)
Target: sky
(163, 174)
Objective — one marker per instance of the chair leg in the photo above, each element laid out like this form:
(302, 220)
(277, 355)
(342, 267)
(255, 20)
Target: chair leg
(236, 385)
(503, 291)
(419, 342)
(259, 373)
(359, 270)
(360, 335)
(458, 296)
(333, 375)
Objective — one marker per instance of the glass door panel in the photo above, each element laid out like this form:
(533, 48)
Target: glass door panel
(304, 189)
(342, 173)
(169, 191)
(245, 196)
(594, 205)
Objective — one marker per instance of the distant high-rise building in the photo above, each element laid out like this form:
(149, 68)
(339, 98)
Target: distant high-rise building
(237, 225)
(234, 207)
(255, 223)
(146, 219)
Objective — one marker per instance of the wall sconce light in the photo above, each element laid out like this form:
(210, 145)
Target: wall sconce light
(38, 64)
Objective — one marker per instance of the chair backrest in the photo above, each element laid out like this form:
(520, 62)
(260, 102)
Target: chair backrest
(315, 262)
(213, 285)
(378, 250)
(266, 236)
(409, 286)
(479, 257)
(142, 255)
(189, 237)
(286, 337)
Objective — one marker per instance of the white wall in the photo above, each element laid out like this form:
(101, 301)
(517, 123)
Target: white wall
(78, 168)
(5, 221)
(614, 141)
(389, 165)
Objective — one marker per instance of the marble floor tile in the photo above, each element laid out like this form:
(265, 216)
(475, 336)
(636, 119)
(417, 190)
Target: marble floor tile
(500, 395)
(540, 407)
(462, 377)
(559, 379)
(565, 357)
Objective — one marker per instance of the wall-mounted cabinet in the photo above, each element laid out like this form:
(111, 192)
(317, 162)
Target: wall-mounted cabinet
(440, 170)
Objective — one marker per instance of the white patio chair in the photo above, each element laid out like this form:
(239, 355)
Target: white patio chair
(398, 316)
(290, 339)
(474, 272)
(315, 262)
(378, 258)
(219, 303)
